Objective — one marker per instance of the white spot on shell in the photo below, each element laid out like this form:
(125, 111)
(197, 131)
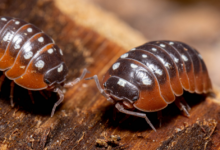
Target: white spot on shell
(174, 58)
(184, 58)
(133, 49)
(8, 36)
(124, 55)
(166, 64)
(60, 68)
(200, 56)
(115, 66)
(155, 69)
(144, 56)
(3, 19)
(17, 22)
(121, 82)
(50, 51)
(28, 55)
(29, 30)
(133, 66)
(61, 53)
(162, 60)
(17, 40)
(17, 46)
(162, 45)
(171, 43)
(28, 48)
(40, 64)
(40, 39)
(146, 80)
(154, 49)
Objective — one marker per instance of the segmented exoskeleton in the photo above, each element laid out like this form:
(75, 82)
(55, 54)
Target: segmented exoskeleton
(31, 59)
(151, 76)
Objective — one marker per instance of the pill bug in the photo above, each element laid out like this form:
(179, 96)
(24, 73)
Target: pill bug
(31, 59)
(153, 75)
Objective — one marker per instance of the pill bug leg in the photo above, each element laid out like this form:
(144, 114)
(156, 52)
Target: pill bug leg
(12, 93)
(31, 96)
(183, 106)
(99, 88)
(72, 83)
(61, 95)
(159, 117)
(137, 114)
(115, 116)
(2, 78)
(42, 93)
(67, 85)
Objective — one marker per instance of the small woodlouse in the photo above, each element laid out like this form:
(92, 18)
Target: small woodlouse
(148, 78)
(31, 59)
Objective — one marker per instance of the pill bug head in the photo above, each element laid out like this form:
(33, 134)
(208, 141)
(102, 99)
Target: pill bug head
(56, 76)
(121, 90)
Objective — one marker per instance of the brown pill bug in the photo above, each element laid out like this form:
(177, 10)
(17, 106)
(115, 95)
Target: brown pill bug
(31, 59)
(151, 76)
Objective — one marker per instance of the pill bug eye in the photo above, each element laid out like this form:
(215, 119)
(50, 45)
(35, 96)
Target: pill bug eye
(47, 81)
(104, 84)
(135, 98)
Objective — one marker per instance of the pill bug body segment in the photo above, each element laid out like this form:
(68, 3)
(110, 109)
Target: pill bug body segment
(30, 58)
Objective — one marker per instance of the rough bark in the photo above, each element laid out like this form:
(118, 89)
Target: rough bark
(85, 118)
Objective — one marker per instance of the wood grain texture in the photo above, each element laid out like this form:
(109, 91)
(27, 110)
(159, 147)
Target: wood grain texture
(85, 115)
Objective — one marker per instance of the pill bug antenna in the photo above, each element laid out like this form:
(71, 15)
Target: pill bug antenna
(72, 83)
(100, 88)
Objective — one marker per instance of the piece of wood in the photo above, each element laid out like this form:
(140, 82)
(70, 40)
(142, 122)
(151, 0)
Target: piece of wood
(85, 118)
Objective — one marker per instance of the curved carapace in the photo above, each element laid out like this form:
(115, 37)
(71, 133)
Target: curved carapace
(31, 59)
(28, 56)
(151, 75)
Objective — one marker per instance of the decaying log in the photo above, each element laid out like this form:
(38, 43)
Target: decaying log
(85, 118)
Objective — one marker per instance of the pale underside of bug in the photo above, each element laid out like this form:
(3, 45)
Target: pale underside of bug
(153, 75)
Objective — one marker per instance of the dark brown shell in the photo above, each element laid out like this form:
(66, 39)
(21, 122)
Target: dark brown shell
(160, 70)
(28, 56)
